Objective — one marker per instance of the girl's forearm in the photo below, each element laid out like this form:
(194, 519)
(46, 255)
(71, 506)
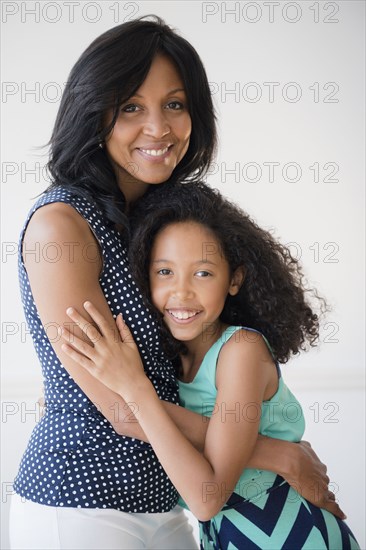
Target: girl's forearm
(269, 454)
(192, 425)
(296, 462)
(188, 468)
(275, 455)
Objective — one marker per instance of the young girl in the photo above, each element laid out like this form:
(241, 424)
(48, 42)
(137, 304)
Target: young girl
(232, 305)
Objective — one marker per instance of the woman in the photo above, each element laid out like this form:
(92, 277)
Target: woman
(136, 112)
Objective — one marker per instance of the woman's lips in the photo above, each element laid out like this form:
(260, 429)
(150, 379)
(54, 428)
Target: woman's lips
(155, 154)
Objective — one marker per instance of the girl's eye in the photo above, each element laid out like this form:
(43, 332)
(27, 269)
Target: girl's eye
(203, 274)
(129, 108)
(164, 272)
(175, 105)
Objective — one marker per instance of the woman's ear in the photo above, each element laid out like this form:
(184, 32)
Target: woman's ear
(237, 280)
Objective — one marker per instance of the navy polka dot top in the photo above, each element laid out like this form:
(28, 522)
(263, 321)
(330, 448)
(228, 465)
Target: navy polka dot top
(74, 456)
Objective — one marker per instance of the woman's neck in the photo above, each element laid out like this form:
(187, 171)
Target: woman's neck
(131, 187)
(133, 190)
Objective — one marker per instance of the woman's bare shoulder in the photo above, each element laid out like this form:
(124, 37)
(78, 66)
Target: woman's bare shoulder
(57, 220)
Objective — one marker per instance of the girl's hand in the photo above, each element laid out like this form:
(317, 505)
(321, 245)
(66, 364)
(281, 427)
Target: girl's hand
(112, 358)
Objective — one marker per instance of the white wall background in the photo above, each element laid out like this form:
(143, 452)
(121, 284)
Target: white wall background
(288, 82)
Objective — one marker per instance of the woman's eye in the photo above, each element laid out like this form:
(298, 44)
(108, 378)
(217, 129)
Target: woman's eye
(203, 274)
(175, 105)
(130, 108)
(164, 272)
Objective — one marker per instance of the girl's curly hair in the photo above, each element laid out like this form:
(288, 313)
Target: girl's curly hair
(273, 297)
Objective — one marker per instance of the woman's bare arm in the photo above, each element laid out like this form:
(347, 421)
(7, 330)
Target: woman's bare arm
(71, 279)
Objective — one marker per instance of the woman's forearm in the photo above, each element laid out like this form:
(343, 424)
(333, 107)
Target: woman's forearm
(274, 455)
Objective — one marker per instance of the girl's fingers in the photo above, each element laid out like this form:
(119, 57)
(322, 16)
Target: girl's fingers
(124, 331)
(83, 361)
(84, 324)
(88, 329)
(77, 343)
(105, 328)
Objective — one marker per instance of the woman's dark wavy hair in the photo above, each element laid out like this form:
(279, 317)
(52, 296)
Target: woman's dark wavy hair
(273, 297)
(108, 73)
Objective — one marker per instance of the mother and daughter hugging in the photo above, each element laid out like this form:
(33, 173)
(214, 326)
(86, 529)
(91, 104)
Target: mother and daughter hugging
(180, 322)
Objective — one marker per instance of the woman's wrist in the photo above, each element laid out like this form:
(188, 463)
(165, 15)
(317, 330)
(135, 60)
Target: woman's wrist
(275, 455)
(290, 460)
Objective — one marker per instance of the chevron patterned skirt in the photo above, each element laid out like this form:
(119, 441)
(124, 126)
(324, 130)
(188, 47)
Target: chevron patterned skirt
(277, 519)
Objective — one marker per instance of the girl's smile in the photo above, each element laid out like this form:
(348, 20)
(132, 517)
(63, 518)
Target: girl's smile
(183, 316)
(190, 280)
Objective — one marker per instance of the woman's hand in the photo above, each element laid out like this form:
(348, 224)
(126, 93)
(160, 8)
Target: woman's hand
(113, 358)
(309, 478)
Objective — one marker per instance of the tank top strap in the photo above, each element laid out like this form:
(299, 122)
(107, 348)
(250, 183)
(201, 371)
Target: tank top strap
(230, 332)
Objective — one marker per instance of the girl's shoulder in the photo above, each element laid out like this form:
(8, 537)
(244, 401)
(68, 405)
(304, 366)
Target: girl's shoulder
(244, 340)
(246, 352)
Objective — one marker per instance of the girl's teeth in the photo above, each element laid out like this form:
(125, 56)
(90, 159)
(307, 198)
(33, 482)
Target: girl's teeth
(155, 152)
(183, 314)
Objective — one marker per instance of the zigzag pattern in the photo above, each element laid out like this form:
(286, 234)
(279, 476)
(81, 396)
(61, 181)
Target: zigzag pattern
(246, 526)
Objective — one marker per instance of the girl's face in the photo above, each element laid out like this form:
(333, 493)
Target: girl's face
(151, 135)
(190, 280)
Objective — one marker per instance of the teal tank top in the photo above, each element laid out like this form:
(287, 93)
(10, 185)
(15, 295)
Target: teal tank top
(281, 416)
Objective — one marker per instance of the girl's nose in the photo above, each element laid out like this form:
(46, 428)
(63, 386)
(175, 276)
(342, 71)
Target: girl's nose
(156, 125)
(183, 291)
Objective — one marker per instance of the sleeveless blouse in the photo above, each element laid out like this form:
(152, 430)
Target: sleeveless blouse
(74, 457)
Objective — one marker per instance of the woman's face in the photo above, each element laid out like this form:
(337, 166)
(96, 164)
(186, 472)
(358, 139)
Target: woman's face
(152, 131)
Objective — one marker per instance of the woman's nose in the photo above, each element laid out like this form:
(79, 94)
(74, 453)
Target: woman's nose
(156, 125)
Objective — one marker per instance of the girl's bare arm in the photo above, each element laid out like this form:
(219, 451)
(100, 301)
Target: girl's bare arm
(150, 411)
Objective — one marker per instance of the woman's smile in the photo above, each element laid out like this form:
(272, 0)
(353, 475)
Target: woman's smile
(155, 153)
(152, 131)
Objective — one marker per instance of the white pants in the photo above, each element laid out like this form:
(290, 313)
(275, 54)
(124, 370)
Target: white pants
(37, 527)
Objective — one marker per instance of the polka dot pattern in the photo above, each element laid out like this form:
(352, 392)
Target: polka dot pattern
(74, 456)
